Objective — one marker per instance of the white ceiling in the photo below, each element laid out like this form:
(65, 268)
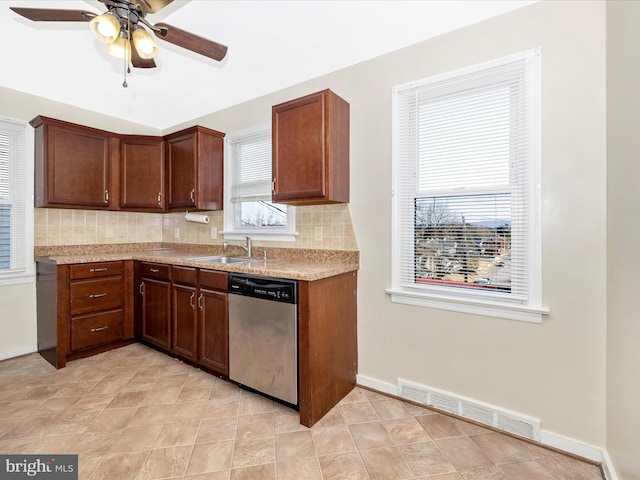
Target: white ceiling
(272, 45)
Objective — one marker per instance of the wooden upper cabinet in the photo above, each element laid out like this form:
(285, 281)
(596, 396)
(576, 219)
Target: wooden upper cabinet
(195, 169)
(142, 173)
(83, 167)
(310, 163)
(74, 165)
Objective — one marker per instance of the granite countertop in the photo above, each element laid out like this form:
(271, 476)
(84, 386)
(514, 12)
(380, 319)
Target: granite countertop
(295, 264)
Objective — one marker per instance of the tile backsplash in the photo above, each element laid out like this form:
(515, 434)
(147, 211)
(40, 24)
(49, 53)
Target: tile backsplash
(90, 227)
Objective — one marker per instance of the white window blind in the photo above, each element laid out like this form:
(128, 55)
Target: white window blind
(466, 219)
(14, 218)
(251, 167)
(248, 208)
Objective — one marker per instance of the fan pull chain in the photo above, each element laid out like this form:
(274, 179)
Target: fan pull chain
(126, 68)
(126, 60)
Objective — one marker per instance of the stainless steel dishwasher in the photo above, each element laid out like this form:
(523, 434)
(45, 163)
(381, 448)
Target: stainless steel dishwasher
(263, 335)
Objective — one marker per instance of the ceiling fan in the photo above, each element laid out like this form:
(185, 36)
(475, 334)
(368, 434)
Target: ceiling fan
(122, 28)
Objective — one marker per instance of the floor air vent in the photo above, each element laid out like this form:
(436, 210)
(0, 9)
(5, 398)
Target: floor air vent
(512, 422)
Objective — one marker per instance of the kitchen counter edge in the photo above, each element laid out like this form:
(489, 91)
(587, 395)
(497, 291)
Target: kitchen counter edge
(294, 264)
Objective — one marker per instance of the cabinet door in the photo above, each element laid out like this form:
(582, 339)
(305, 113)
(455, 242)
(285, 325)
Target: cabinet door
(181, 166)
(195, 169)
(142, 173)
(183, 341)
(156, 311)
(310, 162)
(75, 167)
(213, 351)
(209, 178)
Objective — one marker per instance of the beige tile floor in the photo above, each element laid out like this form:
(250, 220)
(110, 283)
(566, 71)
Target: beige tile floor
(134, 413)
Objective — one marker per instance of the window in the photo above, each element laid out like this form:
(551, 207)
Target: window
(466, 190)
(16, 214)
(248, 207)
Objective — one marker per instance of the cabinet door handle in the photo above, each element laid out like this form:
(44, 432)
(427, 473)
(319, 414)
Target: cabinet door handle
(273, 186)
(193, 195)
(200, 302)
(193, 295)
(154, 270)
(141, 288)
(106, 196)
(97, 295)
(98, 269)
(100, 329)
(159, 198)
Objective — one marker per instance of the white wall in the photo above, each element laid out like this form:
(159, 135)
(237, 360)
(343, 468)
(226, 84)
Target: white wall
(623, 232)
(17, 320)
(555, 371)
(17, 302)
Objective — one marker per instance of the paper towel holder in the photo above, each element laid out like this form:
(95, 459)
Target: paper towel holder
(196, 217)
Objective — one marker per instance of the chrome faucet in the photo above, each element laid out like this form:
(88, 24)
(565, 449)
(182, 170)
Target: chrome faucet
(247, 247)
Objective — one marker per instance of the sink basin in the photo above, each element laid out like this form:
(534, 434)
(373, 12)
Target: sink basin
(221, 259)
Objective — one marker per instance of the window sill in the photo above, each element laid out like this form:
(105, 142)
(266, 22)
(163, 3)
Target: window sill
(7, 279)
(522, 313)
(261, 236)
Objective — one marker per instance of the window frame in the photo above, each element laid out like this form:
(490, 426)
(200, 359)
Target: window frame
(467, 300)
(22, 232)
(231, 230)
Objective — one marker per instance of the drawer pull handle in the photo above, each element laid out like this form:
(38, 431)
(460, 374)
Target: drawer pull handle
(97, 295)
(100, 329)
(98, 270)
(154, 270)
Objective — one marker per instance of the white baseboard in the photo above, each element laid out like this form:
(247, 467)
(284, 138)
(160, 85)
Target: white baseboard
(607, 467)
(18, 352)
(566, 444)
(378, 385)
(571, 445)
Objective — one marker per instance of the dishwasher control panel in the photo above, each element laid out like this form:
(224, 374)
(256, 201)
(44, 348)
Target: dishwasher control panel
(276, 289)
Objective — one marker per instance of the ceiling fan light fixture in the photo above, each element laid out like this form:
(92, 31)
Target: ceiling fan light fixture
(121, 48)
(105, 27)
(144, 43)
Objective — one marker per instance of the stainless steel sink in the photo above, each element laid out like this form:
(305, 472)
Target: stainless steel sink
(221, 259)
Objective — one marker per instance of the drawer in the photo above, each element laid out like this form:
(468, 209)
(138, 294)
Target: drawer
(156, 270)
(184, 275)
(94, 295)
(213, 280)
(91, 270)
(93, 330)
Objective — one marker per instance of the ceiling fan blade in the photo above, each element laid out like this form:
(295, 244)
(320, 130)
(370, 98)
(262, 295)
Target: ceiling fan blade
(140, 62)
(150, 6)
(53, 15)
(190, 41)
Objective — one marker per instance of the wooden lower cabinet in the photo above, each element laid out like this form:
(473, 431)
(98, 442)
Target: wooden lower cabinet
(328, 347)
(155, 303)
(184, 316)
(82, 309)
(183, 311)
(213, 331)
(213, 322)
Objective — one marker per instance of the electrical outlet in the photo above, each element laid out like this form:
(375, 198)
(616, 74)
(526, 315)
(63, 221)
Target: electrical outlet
(176, 232)
(317, 234)
(109, 232)
(214, 233)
